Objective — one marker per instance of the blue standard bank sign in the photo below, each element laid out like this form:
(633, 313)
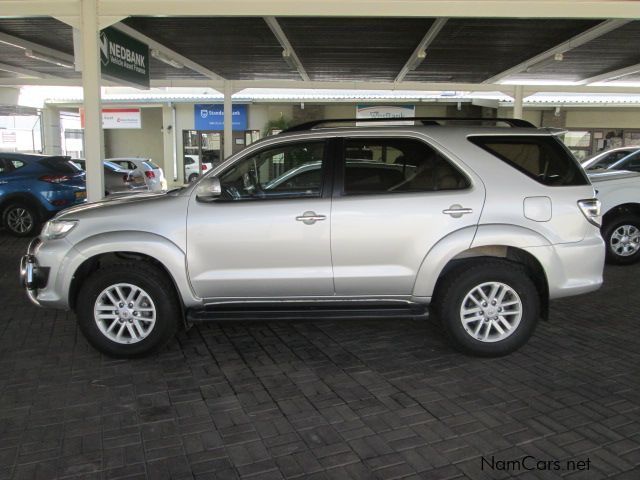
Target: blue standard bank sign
(208, 116)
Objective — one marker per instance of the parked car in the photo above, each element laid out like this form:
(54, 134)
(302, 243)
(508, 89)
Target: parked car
(193, 169)
(144, 169)
(117, 180)
(483, 225)
(619, 192)
(609, 159)
(34, 187)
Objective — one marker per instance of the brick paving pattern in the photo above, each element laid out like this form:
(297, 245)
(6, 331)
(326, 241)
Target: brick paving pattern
(321, 400)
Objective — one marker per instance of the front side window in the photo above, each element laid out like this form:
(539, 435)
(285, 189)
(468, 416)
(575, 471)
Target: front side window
(542, 158)
(286, 171)
(397, 165)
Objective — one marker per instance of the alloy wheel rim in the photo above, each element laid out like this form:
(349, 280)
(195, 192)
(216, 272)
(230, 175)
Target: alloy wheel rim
(125, 313)
(491, 312)
(20, 220)
(625, 240)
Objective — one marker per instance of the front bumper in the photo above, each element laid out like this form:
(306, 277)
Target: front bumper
(32, 276)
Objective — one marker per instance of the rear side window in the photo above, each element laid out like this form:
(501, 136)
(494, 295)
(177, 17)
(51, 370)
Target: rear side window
(391, 165)
(152, 165)
(60, 164)
(542, 158)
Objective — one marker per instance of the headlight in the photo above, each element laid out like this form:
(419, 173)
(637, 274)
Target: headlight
(54, 229)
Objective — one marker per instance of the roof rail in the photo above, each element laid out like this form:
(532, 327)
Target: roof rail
(512, 122)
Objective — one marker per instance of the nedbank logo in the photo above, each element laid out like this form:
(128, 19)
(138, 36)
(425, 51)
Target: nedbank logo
(104, 49)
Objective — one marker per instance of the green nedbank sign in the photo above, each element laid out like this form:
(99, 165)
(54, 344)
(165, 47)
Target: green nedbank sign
(124, 57)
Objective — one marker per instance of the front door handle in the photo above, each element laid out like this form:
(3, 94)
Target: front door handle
(456, 211)
(309, 218)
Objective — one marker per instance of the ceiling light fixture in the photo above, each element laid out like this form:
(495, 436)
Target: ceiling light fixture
(164, 58)
(419, 58)
(47, 58)
(558, 57)
(287, 57)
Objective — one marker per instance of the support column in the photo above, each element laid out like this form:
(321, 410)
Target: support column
(52, 133)
(93, 140)
(174, 170)
(228, 120)
(517, 101)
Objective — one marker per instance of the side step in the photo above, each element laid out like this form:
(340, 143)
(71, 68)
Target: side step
(240, 312)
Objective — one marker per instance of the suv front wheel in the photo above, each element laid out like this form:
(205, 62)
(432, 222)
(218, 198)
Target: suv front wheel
(489, 309)
(128, 310)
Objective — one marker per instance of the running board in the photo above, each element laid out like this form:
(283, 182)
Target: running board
(223, 313)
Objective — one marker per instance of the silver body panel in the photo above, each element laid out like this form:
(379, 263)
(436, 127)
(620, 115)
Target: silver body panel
(370, 247)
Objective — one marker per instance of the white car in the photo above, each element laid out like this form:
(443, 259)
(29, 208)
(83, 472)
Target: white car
(144, 169)
(609, 159)
(191, 170)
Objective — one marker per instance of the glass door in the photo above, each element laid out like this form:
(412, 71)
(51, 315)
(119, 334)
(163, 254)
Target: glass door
(201, 152)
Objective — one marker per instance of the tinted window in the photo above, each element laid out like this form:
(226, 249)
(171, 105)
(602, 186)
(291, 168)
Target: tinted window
(542, 158)
(397, 165)
(289, 171)
(631, 162)
(609, 159)
(60, 164)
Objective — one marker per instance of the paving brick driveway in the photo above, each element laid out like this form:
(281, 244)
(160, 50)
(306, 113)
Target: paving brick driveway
(360, 399)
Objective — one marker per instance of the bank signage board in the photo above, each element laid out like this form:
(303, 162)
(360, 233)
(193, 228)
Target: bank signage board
(209, 116)
(123, 57)
(383, 112)
(118, 118)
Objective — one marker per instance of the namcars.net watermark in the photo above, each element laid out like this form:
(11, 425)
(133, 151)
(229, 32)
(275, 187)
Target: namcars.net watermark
(530, 463)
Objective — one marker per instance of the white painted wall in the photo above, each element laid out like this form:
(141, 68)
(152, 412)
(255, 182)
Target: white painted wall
(138, 142)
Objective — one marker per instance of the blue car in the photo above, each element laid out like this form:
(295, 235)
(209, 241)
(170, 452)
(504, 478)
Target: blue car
(33, 188)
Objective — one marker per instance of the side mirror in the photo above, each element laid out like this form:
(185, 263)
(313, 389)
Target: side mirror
(209, 189)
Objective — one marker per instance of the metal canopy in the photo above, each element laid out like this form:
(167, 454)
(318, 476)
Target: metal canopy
(342, 49)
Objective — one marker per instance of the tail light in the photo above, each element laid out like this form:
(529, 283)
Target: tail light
(54, 178)
(149, 174)
(590, 208)
(204, 167)
(59, 203)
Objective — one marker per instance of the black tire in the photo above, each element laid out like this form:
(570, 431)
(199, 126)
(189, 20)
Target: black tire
(150, 279)
(25, 211)
(193, 177)
(461, 281)
(608, 231)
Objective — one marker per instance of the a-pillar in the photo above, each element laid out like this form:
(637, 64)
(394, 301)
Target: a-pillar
(518, 97)
(51, 130)
(93, 139)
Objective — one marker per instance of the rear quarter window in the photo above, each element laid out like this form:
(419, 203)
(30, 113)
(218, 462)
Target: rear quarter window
(542, 158)
(152, 165)
(60, 164)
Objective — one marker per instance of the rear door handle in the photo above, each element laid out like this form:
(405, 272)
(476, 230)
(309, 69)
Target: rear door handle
(456, 211)
(309, 218)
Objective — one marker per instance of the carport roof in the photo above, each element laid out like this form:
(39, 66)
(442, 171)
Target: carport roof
(354, 49)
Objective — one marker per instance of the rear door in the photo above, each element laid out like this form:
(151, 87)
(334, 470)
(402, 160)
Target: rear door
(396, 198)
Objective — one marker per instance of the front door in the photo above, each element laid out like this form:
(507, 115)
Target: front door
(396, 198)
(268, 236)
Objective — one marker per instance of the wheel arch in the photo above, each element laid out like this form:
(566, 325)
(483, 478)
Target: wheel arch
(499, 241)
(130, 245)
(24, 197)
(629, 208)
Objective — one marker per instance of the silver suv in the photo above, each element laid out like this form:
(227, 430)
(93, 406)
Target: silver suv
(481, 224)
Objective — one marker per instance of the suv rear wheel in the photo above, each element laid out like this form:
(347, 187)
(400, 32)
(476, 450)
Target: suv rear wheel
(489, 309)
(20, 219)
(622, 236)
(128, 310)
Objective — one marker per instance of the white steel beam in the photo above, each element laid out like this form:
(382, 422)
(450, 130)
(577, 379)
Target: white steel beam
(153, 44)
(379, 8)
(421, 49)
(275, 27)
(574, 42)
(30, 8)
(227, 139)
(25, 71)
(93, 140)
(612, 75)
(518, 97)
(23, 44)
